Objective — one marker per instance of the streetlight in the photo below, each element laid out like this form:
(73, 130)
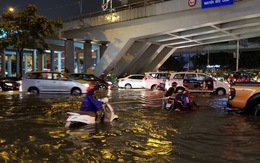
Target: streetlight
(11, 9)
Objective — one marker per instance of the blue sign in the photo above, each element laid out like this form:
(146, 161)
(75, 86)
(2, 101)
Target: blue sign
(215, 3)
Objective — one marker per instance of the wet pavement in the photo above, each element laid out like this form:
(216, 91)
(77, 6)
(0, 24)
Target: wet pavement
(32, 130)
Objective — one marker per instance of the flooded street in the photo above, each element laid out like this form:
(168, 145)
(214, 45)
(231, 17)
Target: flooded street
(32, 130)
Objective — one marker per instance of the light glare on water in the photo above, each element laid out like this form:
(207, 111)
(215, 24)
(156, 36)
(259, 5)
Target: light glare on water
(33, 130)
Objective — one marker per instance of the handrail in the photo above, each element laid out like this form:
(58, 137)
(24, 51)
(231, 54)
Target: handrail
(120, 8)
(116, 9)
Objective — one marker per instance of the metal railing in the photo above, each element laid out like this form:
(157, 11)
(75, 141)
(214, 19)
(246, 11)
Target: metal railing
(116, 9)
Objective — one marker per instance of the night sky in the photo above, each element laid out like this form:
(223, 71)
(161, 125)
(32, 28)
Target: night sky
(54, 8)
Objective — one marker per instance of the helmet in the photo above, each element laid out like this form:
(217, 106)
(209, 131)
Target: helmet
(174, 84)
(180, 91)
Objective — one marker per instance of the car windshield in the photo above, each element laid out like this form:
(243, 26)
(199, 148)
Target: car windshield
(88, 77)
(71, 76)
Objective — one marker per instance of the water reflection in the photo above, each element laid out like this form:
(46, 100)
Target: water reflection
(32, 130)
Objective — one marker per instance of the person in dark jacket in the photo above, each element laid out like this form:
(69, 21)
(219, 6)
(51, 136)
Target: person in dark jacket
(90, 103)
(168, 94)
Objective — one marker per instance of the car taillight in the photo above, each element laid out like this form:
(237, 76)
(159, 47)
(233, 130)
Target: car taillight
(232, 93)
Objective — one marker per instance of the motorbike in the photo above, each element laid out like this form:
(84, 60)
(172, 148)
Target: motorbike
(173, 104)
(88, 117)
(170, 104)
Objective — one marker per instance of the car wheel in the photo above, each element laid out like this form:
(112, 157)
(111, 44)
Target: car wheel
(34, 91)
(256, 110)
(155, 87)
(221, 92)
(75, 91)
(101, 87)
(128, 86)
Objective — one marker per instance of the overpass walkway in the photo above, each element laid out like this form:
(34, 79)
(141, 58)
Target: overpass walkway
(141, 39)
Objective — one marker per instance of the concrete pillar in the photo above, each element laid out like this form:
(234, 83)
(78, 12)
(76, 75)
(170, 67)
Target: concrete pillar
(87, 59)
(77, 61)
(3, 64)
(237, 57)
(40, 61)
(52, 64)
(103, 48)
(59, 61)
(17, 63)
(9, 65)
(69, 57)
(165, 53)
(25, 63)
(98, 55)
(34, 57)
(130, 58)
(144, 59)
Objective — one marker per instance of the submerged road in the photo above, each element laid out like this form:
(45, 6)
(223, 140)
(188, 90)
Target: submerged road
(32, 130)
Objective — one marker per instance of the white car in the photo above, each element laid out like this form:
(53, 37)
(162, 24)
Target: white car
(197, 82)
(154, 80)
(131, 81)
(51, 82)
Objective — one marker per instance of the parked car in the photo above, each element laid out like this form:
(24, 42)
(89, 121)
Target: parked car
(197, 82)
(51, 82)
(131, 81)
(155, 80)
(244, 98)
(240, 76)
(6, 85)
(92, 80)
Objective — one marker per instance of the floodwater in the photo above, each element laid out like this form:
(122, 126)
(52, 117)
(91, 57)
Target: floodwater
(32, 130)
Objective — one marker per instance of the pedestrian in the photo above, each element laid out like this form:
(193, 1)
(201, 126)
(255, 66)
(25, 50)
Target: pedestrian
(114, 80)
(109, 77)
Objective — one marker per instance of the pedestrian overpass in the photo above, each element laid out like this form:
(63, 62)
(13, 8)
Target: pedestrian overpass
(140, 39)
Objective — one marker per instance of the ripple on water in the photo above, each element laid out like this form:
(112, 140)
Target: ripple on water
(143, 133)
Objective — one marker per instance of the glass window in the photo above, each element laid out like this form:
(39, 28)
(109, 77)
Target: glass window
(89, 77)
(136, 77)
(63, 77)
(203, 77)
(32, 76)
(140, 77)
(56, 76)
(48, 75)
(76, 76)
(178, 76)
(159, 75)
(44, 75)
(153, 75)
(191, 77)
(162, 76)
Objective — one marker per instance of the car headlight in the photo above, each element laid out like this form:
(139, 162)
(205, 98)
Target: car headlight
(9, 84)
(86, 85)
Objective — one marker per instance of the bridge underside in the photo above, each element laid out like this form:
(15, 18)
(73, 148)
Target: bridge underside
(143, 44)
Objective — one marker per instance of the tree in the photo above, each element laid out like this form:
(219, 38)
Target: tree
(27, 29)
